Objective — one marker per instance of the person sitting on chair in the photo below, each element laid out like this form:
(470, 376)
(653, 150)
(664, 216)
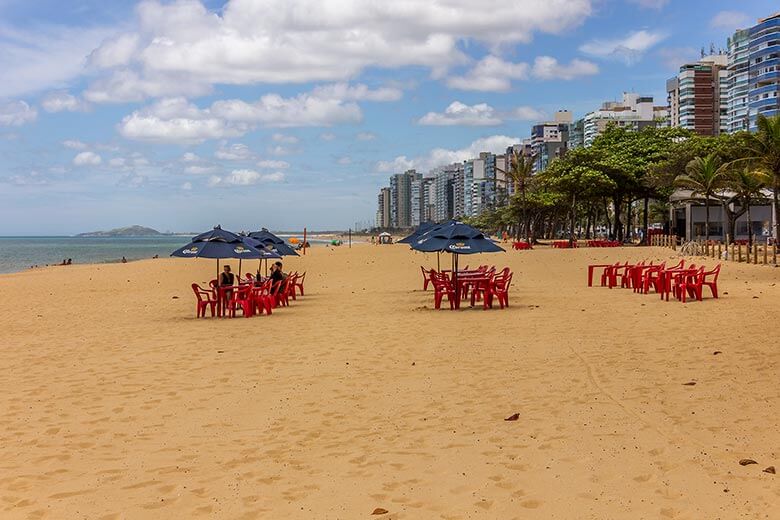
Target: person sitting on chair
(227, 277)
(278, 278)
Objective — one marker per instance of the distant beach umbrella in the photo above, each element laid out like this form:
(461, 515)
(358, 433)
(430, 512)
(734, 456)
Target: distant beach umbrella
(421, 229)
(218, 244)
(456, 238)
(273, 242)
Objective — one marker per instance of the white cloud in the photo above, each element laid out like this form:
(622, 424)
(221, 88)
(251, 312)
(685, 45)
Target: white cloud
(491, 74)
(674, 57)
(62, 100)
(196, 169)
(245, 178)
(234, 152)
(127, 86)
(190, 157)
(74, 144)
(480, 114)
(286, 139)
(358, 92)
(17, 113)
(458, 113)
(328, 136)
(365, 136)
(547, 67)
(178, 120)
(629, 49)
(273, 165)
(280, 150)
(117, 162)
(343, 161)
(187, 186)
(174, 120)
(443, 156)
(651, 4)
(729, 20)
(87, 159)
(184, 45)
(526, 113)
(44, 57)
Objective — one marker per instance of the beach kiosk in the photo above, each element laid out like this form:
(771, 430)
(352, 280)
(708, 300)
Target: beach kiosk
(385, 238)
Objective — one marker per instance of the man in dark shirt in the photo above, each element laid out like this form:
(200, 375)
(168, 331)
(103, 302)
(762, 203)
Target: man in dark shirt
(278, 278)
(227, 277)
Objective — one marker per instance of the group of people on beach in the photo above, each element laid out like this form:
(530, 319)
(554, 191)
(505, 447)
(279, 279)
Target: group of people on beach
(227, 278)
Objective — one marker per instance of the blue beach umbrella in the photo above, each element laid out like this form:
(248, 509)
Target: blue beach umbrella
(456, 238)
(273, 242)
(421, 229)
(218, 243)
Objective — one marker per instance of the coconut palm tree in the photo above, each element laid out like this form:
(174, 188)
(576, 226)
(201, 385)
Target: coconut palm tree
(764, 154)
(704, 176)
(748, 185)
(521, 169)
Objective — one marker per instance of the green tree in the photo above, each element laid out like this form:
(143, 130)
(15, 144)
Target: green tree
(748, 186)
(575, 178)
(763, 150)
(704, 177)
(521, 170)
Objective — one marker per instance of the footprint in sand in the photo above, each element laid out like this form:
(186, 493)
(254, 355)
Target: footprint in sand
(531, 504)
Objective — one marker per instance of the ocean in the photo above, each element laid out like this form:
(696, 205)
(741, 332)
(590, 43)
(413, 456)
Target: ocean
(21, 253)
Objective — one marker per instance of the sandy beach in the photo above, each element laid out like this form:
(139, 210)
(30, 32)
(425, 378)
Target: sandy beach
(116, 403)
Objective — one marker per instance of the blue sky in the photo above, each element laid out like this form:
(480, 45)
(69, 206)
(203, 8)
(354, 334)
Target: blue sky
(292, 113)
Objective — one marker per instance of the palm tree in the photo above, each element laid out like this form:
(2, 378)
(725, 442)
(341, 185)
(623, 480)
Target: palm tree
(704, 176)
(521, 169)
(764, 154)
(748, 185)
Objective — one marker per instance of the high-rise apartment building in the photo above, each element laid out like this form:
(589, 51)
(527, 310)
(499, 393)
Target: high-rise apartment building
(401, 198)
(738, 81)
(764, 69)
(550, 140)
(383, 220)
(448, 188)
(634, 112)
(698, 96)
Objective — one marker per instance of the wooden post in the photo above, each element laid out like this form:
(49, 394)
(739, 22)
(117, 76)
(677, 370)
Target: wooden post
(304, 241)
(720, 252)
(674, 242)
(755, 252)
(774, 253)
(732, 257)
(766, 247)
(739, 251)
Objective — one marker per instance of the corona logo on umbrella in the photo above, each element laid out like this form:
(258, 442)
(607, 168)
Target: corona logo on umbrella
(191, 251)
(459, 246)
(240, 250)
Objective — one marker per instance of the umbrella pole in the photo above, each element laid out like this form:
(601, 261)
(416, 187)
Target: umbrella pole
(457, 286)
(217, 271)
(239, 269)
(438, 261)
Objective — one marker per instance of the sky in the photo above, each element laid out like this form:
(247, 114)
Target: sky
(180, 115)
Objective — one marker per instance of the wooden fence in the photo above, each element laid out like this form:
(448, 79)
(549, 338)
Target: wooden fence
(739, 251)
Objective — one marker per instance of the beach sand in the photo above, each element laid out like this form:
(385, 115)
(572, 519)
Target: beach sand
(115, 402)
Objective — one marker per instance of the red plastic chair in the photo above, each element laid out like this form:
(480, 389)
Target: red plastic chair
(241, 297)
(206, 299)
(263, 301)
(426, 277)
(712, 284)
(290, 285)
(441, 287)
(500, 289)
(299, 282)
(693, 285)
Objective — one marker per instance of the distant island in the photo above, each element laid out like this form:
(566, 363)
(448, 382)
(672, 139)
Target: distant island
(131, 231)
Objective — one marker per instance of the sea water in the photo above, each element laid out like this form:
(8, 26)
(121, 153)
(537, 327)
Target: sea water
(20, 253)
